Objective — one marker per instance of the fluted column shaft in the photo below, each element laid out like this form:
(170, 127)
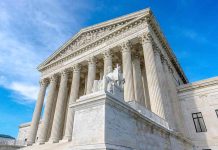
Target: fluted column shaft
(85, 80)
(58, 121)
(37, 112)
(127, 72)
(145, 88)
(156, 101)
(91, 74)
(46, 123)
(107, 62)
(74, 94)
(138, 87)
(163, 86)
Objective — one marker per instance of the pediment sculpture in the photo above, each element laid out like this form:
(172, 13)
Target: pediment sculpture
(86, 37)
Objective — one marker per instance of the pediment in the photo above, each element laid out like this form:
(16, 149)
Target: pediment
(86, 37)
(90, 34)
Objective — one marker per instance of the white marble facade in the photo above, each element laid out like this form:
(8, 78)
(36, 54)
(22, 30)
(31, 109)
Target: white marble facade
(201, 97)
(144, 112)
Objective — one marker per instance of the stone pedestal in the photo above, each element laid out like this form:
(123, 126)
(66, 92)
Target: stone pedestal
(104, 122)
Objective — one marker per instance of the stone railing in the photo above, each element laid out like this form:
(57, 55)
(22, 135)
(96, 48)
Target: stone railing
(148, 114)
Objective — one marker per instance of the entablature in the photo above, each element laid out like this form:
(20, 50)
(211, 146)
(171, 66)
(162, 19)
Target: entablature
(91, 40)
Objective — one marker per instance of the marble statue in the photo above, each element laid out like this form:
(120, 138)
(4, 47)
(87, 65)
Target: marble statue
(112, 82)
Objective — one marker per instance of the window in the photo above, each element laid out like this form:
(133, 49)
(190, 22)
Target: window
(199, 122)
(216, 112)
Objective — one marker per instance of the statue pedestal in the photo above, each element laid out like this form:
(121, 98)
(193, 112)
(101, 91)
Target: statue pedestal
(103, 121)
(97, 123)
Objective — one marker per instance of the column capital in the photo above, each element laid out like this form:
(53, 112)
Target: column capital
(64, 72)
(53, 78)
(107, 54)
(156, 50)
(126, 46)
(76, 67)
(166, 63)
(92, 60)
(44, 82)
(145, 38)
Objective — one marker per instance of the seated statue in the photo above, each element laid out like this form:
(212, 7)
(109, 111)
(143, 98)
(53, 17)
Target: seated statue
(112, 82)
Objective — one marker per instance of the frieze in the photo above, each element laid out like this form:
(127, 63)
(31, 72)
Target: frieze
(132, 25)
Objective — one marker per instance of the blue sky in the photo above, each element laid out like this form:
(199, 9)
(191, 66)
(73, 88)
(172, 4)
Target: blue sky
(31, 30)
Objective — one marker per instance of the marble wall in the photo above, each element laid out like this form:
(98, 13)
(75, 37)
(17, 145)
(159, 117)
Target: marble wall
(102, 122)
(23, 132)
(201, 96)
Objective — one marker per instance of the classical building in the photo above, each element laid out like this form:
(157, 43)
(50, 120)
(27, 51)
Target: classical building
(117, 85)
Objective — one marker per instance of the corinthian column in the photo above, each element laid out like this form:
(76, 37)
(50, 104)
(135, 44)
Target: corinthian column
(74, 94)
(127, 72)
(137, 77)
(107, 62)
(154, 88)
(37, 112)
(91, 74)
(46, 123)
(58, 121)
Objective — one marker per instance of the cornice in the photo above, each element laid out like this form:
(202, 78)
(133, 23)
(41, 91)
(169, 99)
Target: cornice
(93, 27)
(118, 19)
(198, 85)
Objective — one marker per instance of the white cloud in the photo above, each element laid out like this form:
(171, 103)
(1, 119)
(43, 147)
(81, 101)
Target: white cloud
(28, 92)
(22, 92)
(29, 32)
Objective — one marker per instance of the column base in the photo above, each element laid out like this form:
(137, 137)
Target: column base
(40, 143)
(65, 139)
(53, 141)
(30, 143)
